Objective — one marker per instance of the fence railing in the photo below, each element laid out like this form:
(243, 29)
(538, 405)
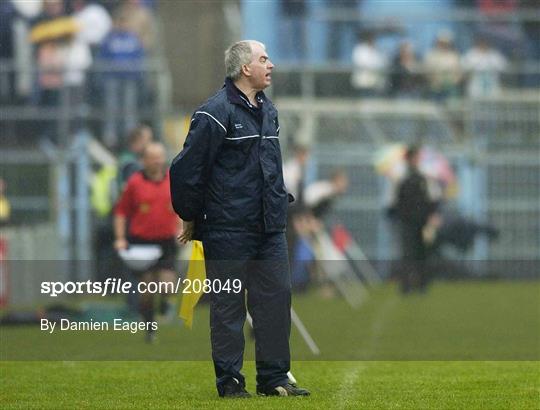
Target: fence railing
(493, 141)
(496, 158)
(334, 80)
(110, 99)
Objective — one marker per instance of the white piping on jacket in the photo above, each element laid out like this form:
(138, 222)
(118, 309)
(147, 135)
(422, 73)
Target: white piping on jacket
(214, 118)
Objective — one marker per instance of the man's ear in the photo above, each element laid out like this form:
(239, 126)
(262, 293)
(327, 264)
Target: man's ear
(246, 70)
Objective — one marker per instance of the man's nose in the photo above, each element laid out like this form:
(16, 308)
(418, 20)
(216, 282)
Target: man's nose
(270, 64)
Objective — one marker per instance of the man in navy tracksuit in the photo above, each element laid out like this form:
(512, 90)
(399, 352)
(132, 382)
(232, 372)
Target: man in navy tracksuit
(227, 186)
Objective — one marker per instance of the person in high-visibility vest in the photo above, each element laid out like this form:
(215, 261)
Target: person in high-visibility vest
(5, 207)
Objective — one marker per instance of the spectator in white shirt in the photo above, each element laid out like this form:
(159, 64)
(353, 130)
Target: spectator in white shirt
(294, 173)
(94, 20)
(483, 65)
(443, 69)
(319, 196)
(369, 76)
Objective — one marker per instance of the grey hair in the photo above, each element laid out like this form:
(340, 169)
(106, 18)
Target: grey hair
(236, 56)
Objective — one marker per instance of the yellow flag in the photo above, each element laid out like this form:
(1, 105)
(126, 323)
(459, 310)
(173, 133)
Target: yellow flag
(196, 272)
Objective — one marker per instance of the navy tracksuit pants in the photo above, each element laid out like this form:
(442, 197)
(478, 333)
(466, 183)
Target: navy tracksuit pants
(260, 261)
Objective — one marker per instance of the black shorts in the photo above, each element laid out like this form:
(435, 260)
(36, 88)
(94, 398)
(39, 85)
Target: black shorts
(169, 252)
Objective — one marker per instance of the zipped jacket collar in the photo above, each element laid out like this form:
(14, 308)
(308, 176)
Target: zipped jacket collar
(236, 96)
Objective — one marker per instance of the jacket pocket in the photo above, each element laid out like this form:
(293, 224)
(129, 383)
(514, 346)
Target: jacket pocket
(236, 150)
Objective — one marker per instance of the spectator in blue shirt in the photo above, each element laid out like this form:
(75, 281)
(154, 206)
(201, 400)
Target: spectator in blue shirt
(121, 56)
(122, 52)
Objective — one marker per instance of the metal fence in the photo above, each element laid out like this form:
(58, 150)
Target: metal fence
(37, 134)
(327, 31)
(333, 80)
(31, 254)
(493, 145)
(110, 100)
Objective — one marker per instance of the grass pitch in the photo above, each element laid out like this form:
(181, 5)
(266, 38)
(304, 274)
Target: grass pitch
(461, 346)
(351, 385)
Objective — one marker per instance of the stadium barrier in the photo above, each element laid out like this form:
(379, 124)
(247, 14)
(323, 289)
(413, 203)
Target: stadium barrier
(493, 145)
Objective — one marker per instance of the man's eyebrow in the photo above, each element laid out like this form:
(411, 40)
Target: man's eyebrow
(264, 56)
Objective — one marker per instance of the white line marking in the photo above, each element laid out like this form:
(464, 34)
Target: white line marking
(347, 389)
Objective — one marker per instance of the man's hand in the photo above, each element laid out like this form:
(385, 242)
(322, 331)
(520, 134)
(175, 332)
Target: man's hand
(188, 230)
(120, 244)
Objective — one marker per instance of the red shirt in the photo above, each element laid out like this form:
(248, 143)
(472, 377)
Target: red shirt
(147, 206)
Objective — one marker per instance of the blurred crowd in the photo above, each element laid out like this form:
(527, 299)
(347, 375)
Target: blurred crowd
(430, 233)
(441, 73)
(79, 51)
(413, 49)
(309, 216)
(512, 25)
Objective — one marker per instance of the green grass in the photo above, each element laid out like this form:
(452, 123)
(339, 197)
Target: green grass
(368, 385)
(462, 345)
(454, 321)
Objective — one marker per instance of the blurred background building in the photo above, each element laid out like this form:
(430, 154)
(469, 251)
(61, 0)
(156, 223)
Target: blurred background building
(354, 79)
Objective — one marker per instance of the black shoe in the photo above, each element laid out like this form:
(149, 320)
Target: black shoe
(233, 389)
(289, 389)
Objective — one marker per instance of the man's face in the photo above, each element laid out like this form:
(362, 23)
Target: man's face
(260, 68)
(53, 7)
(415, 160)
(144, 139)
(154, 159)
(341, 182)
(302, 155)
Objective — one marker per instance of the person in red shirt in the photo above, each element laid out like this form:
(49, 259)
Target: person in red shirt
(145, 205)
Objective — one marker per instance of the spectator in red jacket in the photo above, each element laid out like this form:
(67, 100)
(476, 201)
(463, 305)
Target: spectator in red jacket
(145, 204)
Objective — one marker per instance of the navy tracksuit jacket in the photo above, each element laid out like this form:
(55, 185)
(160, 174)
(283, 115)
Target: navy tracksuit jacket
(228, 179)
